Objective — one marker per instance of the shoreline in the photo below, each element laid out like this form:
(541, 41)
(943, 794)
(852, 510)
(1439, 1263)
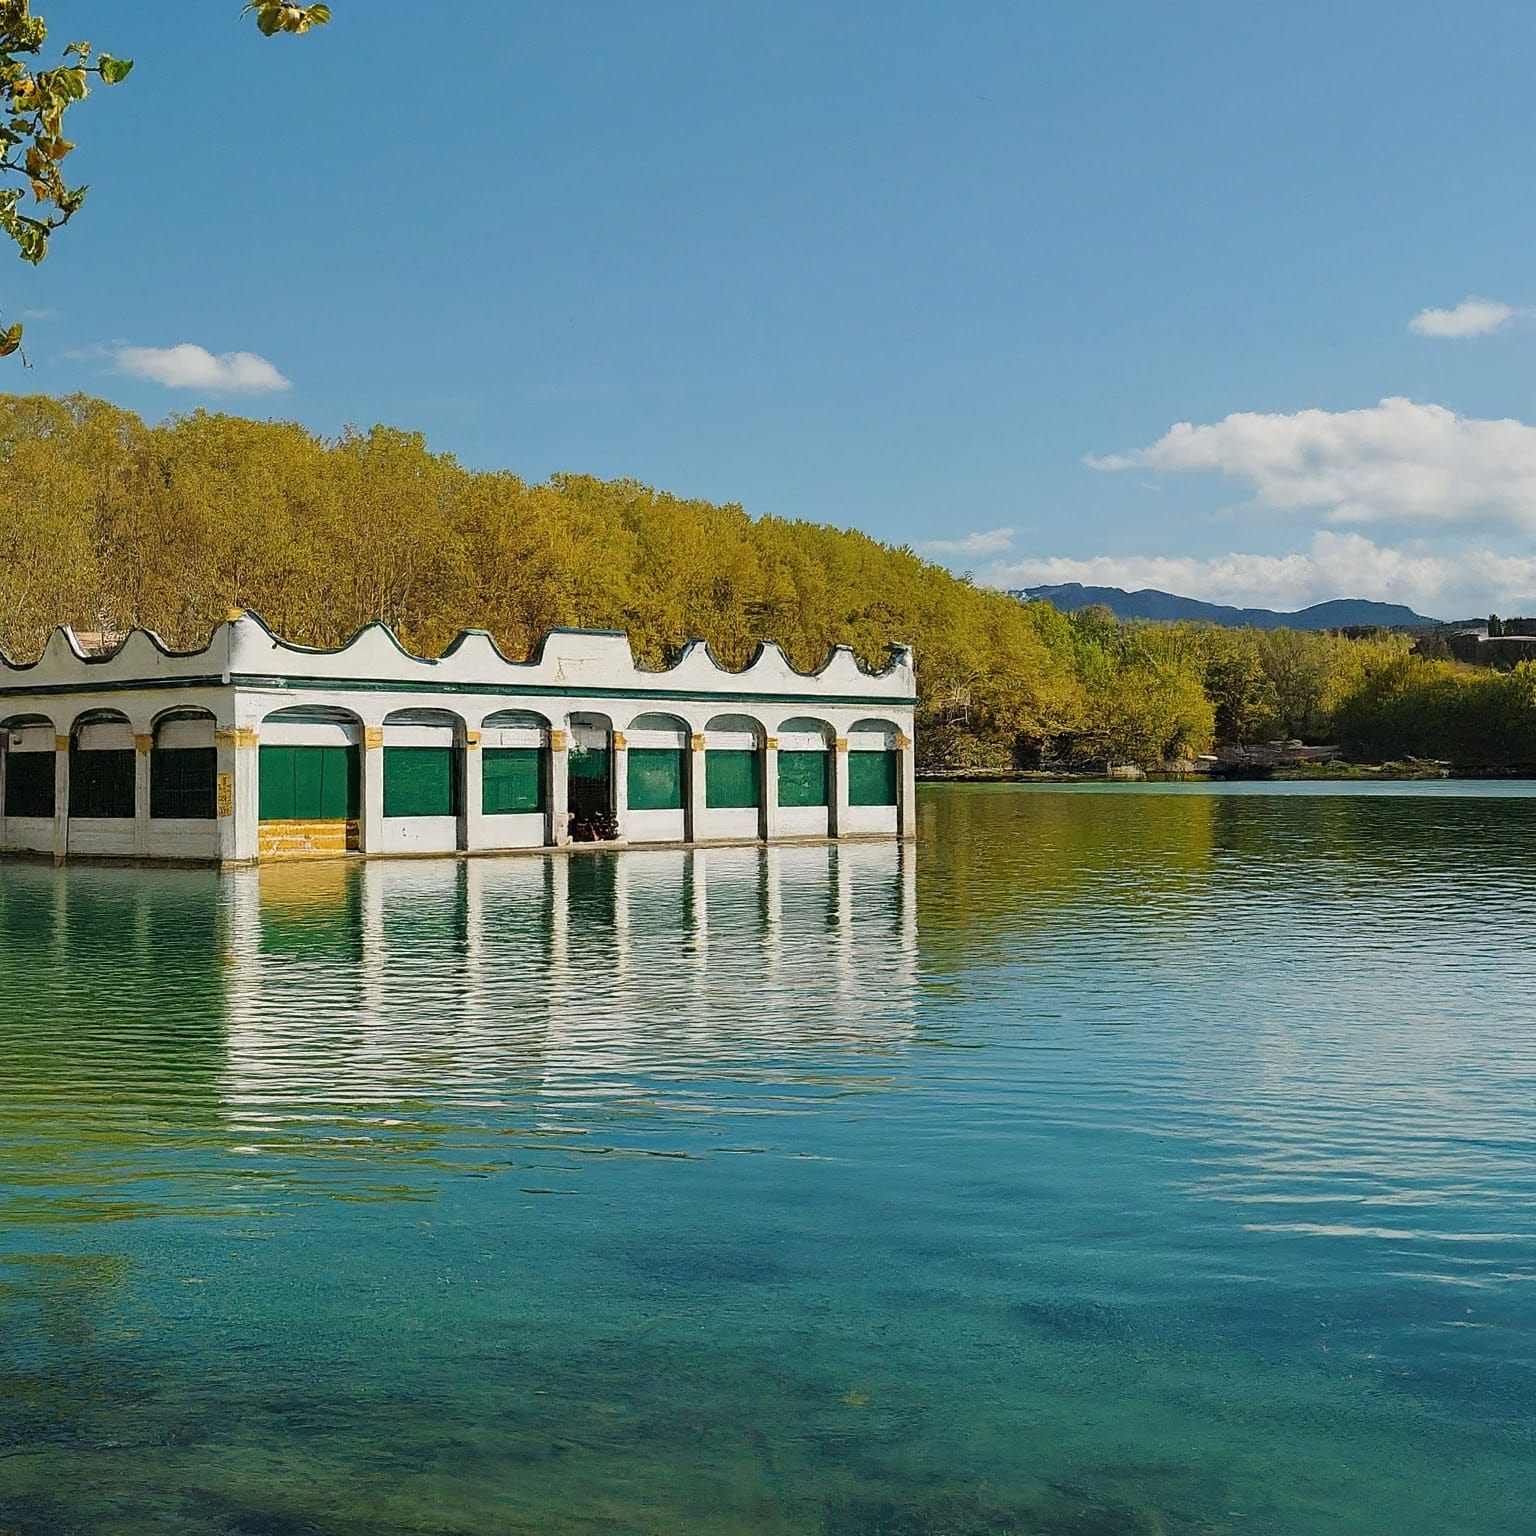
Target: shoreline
(1340, 773)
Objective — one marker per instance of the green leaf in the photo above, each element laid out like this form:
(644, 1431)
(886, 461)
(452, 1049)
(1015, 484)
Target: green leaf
(115, 71)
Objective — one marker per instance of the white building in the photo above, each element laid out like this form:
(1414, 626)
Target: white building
(251, 749)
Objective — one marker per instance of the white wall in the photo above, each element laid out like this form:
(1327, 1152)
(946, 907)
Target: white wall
(522, 829)
(803, 821)
(421, 834)
(869, 820)
(26, 834)
(738, 824)
(655, 826)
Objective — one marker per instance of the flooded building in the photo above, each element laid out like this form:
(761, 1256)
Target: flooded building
(252, 750)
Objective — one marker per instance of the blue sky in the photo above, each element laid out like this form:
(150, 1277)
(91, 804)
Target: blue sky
(949, 274)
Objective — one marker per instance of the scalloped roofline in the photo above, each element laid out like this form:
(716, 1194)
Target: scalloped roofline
(221, 646)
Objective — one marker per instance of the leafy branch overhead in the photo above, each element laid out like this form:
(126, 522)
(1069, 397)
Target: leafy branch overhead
(274, 16)
(36, 198)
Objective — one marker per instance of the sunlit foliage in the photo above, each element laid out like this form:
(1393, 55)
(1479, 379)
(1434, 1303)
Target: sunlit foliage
(107, 523)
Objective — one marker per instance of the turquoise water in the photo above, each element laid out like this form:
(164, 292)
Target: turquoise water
(1127, 1160)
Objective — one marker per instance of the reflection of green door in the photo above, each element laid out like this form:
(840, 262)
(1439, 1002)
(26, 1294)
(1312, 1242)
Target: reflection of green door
(591, 781)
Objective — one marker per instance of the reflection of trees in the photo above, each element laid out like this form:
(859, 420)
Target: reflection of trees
(1000, 863)
(111, 1021)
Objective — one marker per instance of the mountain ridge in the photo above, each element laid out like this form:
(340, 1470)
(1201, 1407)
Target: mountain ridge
(1150, 603)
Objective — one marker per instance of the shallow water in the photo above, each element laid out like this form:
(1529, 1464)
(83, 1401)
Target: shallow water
(1126, 1160)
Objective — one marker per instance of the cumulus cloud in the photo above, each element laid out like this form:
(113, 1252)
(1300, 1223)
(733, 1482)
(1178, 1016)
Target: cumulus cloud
(192, 367)
(1472, 317)
(993, 542)
(1396, 462)
(1449, 584)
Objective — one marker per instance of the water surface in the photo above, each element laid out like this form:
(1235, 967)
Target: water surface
(1126, 1160)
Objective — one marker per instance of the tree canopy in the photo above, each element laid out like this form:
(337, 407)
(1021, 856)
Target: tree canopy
(108, 522)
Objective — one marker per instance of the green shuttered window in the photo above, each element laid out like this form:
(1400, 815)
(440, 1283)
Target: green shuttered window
(182, 783)
(872, 778)
(803, 778)
(29, 778)
(101, 786)
(309, 783)
(421, 781)
(512, 780)
(655, 778)
(732, 780)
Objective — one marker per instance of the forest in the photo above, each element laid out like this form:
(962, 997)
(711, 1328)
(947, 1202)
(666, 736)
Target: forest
(108, 522)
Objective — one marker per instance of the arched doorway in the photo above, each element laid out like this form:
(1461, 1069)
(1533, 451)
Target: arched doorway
(590, 777)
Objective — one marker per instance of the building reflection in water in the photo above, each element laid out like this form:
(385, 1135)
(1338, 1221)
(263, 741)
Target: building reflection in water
(588, 976)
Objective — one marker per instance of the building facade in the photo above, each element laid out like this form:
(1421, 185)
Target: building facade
(252, 750)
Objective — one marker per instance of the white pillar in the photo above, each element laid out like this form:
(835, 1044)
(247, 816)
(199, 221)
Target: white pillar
(237, 793)
(837, 811)
(371, 810)
(620, 761)
(768, 823)
(60, 799)
(559, 789)
(472, 799)
(143, 747)
(906, 787)
(694, 822)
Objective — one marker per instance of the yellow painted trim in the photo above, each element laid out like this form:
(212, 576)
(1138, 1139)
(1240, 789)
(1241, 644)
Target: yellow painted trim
(225, 795)
(373, 737)
(143, 744)
(557, 741)
(841, 744)
(61, 743)
(619, 743)
(772, 744)
(471, 741)
(696, 741)
(240, 736)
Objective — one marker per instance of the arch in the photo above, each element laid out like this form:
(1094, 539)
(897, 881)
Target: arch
(316, 724)
(183, 766)
(589, 773)
(101, 729)
(736, 726)
(874, 762)
(874, 735)
(425, 717)
(514, 764)
(805, 774)
(28, 745)
(423, 764)
(733, 766)
(25, 723)
(658, 720)
(805, 733)
(657, 772)
(309, 765)
(102, 768)
(517, 720)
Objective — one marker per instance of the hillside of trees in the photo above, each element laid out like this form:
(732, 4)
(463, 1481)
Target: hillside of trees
(107, 523)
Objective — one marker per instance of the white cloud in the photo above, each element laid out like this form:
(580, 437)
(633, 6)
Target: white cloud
(1449, 584)
(193, 367)
(1472, 317)
(993, 542)
(1396, 462)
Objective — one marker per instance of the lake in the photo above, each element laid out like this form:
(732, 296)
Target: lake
(1133, 1159)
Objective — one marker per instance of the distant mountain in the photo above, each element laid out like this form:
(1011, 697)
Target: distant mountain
(1149, 603)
